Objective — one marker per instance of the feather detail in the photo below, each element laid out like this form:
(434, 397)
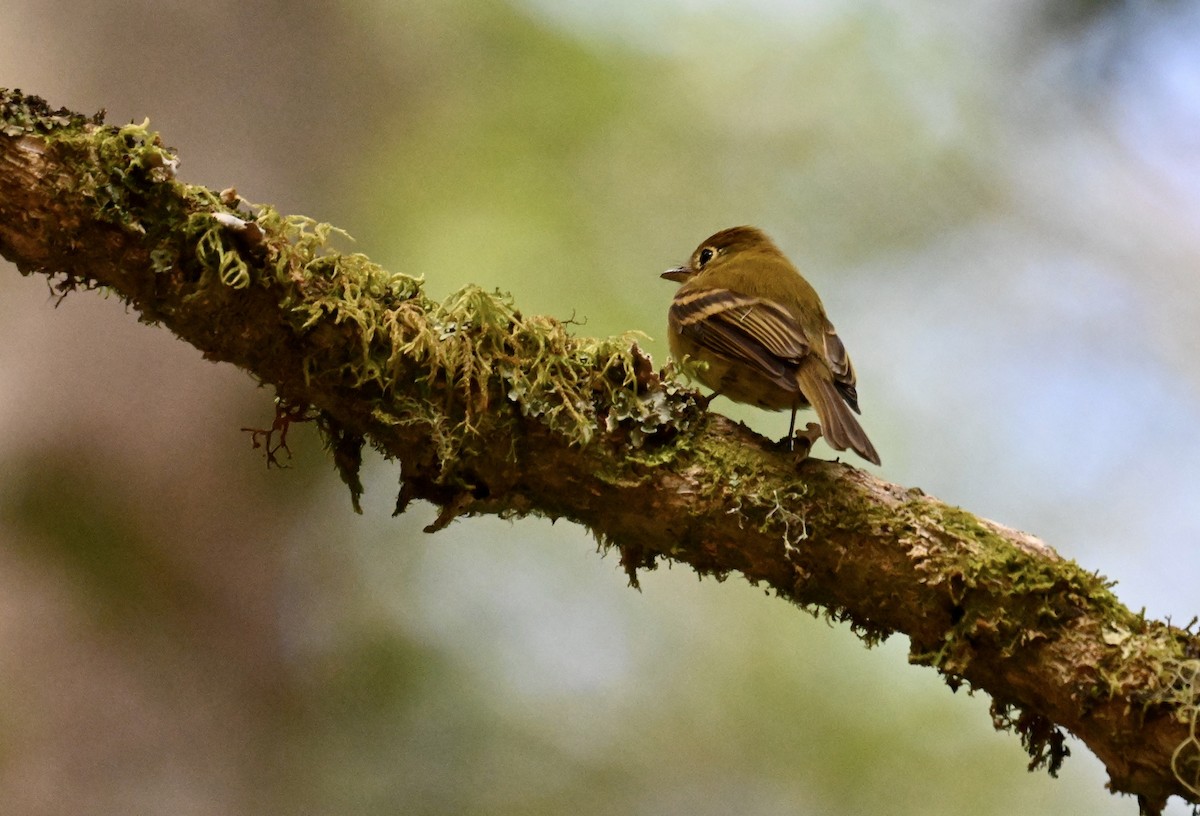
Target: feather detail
(742, 328)
(839, 427)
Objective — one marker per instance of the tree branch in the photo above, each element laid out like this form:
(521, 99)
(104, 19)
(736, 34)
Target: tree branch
(491, 411)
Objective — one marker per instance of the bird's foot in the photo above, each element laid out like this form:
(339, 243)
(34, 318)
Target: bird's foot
(801, 443)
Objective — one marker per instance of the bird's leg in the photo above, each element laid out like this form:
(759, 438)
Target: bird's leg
(808, 437)
(704, 402)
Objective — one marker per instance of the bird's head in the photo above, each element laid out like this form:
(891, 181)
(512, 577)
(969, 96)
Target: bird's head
(720, 249)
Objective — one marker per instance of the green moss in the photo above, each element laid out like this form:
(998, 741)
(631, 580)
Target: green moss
(22, 115)
(449, 365)
(1004, 592)
(1008, 599)
(747, 480)
(128, 175)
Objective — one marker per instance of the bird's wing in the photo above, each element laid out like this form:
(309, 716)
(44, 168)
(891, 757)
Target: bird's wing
(742, 328)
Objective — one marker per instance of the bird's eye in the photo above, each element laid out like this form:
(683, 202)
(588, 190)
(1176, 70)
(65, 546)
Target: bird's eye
(705, 256)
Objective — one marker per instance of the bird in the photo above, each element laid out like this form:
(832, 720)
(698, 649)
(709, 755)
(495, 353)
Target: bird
(746, 312)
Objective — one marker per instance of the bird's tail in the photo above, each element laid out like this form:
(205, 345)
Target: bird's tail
(838, 425)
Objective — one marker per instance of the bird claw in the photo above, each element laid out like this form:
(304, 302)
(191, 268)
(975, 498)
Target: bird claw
(801, 442)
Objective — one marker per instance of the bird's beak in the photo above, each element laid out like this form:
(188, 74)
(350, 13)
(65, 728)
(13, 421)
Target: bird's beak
(678, 274)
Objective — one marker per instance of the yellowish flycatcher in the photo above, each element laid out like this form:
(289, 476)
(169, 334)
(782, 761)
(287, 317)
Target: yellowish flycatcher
(748, 313)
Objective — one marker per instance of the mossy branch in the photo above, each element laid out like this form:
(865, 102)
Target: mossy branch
(487, 410)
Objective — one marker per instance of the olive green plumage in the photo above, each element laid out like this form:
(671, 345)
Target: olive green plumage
(747, 312)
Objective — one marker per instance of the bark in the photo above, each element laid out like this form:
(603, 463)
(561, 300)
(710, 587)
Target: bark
(490, 411)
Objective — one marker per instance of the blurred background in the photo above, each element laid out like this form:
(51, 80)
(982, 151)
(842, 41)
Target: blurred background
(998, 200)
